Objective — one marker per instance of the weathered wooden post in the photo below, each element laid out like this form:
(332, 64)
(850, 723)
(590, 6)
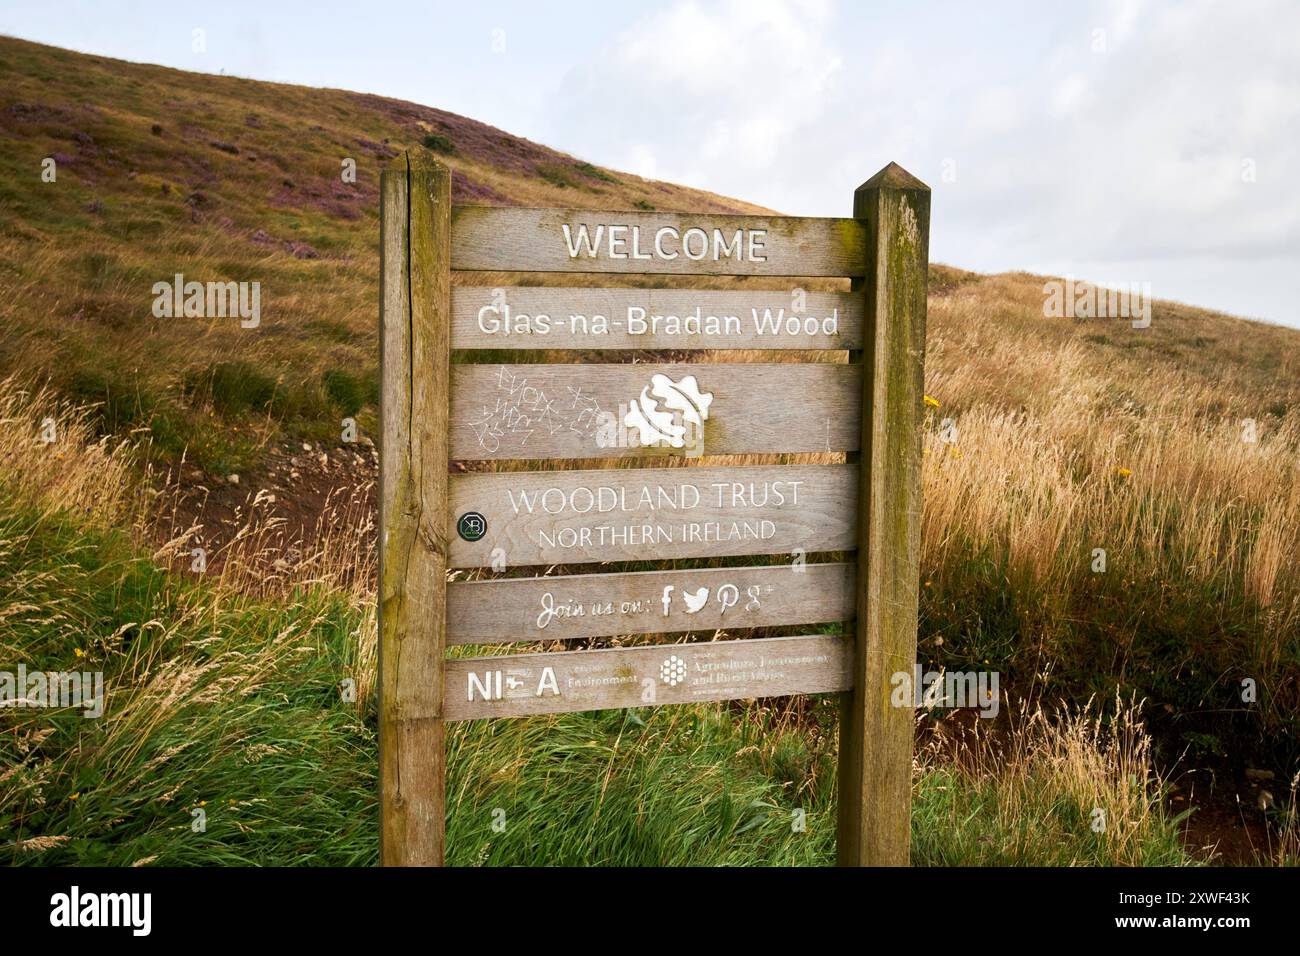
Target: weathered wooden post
(875, 774)
(415, 352)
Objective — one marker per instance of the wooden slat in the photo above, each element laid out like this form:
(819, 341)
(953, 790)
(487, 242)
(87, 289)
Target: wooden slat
(800, 506)
(539, 411)
(523, 684)
(648, 602)
(520, 317)
(496, 239)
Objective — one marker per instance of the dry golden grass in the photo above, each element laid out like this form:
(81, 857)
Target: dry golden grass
(1053, 775)
(74, 471)
(265, 562)
(1285, 850)
(162, 172)
(1075, 435)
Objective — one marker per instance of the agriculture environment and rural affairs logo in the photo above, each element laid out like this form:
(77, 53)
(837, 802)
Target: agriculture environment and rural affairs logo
(672, 671)
(669, 412)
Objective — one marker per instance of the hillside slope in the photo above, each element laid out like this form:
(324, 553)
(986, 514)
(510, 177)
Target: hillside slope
(159, 171)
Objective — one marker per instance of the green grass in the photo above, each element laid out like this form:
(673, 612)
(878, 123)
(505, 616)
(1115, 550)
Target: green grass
(232, 706)
(439, 144)
(227, 707)
(671, 786)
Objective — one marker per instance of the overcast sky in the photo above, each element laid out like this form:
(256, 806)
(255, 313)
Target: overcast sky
(1113, 140)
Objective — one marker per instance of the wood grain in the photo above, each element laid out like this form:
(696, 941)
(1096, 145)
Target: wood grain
(874, 827)
(566, 607)
(415, 357)
(656, 513)
(518, 685)
(520, 317)
(500, 239)
(537, 411)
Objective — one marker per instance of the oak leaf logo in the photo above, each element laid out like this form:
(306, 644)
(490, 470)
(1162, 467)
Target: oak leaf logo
(667, 412)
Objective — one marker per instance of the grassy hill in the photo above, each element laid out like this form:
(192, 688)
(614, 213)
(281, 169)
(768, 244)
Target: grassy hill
(160, 171)
(1047, 439)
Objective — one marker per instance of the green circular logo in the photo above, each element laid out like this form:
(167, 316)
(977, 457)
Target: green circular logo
(471, 526)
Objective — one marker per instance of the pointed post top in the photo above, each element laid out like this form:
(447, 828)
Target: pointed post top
(421, 161)
(893, 176)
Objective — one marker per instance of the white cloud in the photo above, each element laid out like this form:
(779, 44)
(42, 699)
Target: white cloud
(1117, 154)
(714, 93)
(996, 110)
(1069, 94)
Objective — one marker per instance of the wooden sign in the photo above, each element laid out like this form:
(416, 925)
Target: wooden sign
(487, 238)
(627, 503)
(532, 318)
(646, 411)
(515, 684)
(568, 607)
(577, 517)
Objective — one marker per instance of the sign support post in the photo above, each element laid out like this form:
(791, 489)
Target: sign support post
(875, 759)
(415, 352)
